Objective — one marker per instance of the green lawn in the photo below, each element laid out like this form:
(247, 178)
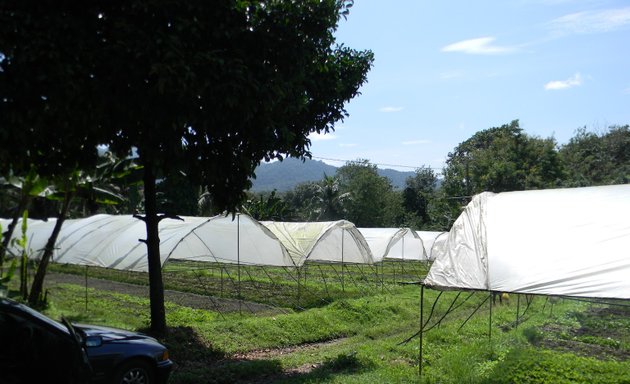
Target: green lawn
(355, 334)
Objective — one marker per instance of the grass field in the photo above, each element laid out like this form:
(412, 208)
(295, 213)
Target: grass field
(350, 326)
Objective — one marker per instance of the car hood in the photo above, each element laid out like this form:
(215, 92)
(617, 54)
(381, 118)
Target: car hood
(112, 334)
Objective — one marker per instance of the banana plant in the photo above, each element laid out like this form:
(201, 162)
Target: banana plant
(96, 188)
(28, 186)
(5, 278)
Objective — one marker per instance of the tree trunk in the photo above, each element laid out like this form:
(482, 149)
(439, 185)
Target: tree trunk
(156, 286)
(38, 282)
(6, 237)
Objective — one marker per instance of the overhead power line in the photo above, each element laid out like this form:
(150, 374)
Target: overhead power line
(380, 164)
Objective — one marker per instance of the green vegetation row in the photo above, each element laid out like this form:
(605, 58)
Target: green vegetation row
(361, 339)
(313, 285)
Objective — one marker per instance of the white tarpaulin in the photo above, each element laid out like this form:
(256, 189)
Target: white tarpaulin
(394, 243)
(572, 242)
(433, 242)
(329, 241)
(37, 234)
(241, 240)
(113, 241)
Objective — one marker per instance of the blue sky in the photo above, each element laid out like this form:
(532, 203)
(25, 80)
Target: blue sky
(444, 70)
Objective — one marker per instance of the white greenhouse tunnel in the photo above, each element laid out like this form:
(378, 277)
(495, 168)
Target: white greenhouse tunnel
(394, 243)
(433, 242)
(113, 241)
(327, 241)
(568, 242)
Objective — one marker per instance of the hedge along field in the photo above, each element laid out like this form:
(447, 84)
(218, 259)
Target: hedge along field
(357, 334)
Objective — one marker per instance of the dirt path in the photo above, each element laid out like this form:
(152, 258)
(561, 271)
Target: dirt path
(192, 300)
(271, 353)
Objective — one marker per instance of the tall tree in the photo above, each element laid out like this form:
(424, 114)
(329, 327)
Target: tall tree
(418, 194)
(502, 159)
(267, 206)
(596, 159)
(204, 88)
(302, 201)
(329, 201)
(369, 193)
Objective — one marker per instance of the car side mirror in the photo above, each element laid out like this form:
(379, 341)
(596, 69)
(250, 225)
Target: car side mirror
(94, 341)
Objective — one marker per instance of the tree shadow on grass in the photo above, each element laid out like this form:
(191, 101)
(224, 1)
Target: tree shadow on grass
(342, 364)
(197, 361)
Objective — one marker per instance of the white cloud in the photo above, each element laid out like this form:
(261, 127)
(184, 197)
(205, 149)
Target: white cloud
(391, 109)
(573, 81)
(348, 145)
(592, 21)
(321, 137)
(478, 46)
(416, 142)
(450, 75)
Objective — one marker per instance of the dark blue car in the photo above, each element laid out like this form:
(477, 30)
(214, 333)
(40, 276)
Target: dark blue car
(35, 348)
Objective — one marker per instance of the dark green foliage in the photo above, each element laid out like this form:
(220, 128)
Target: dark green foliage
(370, 194)
(300, 200)
(418, 194)
(344, 362)
(502, 159)
(207, 88)
(330, 201)
(598, 159)
(267, 207)
(536, 366)
(533, 335)
(177, 195)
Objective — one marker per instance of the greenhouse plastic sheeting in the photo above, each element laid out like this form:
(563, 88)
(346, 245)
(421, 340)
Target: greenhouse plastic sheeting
(238, 240)
(37, 234)
(329, 241)
(433, 242)
(113, 241)
(394, 243)
(570, 242)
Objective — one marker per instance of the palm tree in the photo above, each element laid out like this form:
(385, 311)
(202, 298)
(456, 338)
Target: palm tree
(329, 201)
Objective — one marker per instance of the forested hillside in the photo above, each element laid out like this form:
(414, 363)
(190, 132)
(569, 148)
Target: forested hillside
(285, 175)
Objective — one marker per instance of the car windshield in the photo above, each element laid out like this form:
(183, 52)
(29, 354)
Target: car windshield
(45, 319)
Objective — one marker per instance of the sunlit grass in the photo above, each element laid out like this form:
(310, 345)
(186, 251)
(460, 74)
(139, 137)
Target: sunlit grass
(358, 338)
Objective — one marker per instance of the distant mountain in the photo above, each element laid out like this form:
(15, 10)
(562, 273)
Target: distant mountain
(285, 175)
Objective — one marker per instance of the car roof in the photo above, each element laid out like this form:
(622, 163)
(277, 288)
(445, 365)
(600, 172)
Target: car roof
(16, 307)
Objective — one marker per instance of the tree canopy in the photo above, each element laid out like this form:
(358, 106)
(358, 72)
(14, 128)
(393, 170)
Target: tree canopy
(597, 158)
(502, 159)
(205, 88)
(370, 194)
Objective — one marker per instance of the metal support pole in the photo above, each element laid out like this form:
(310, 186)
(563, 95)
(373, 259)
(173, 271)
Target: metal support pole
(238, 259)
(298, 287)
(421, 330)
(518, 308)
(343, 233)
(86, 287)
(490, 319)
